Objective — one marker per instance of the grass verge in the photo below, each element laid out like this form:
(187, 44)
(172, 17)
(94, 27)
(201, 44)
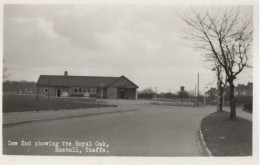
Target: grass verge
(225, 137)
(23, 104)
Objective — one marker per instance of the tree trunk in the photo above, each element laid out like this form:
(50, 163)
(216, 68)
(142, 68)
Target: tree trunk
(220, 99)
(232, 100)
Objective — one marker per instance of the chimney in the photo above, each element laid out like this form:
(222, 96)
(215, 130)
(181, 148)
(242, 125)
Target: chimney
(66, 73)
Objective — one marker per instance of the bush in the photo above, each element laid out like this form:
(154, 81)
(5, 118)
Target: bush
(248, 106)
(246, 102)
(22, 103)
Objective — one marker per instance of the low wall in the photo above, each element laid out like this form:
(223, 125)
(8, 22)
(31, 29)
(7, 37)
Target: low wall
(43, 97)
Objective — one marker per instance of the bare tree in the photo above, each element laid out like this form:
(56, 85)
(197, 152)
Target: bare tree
(221, 84)
(146, 93)
(225, 38)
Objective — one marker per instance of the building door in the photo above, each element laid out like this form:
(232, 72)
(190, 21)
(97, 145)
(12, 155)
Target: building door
(122, 94)
(58, 92)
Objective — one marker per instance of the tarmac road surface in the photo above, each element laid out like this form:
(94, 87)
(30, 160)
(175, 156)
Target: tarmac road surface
(145, 130)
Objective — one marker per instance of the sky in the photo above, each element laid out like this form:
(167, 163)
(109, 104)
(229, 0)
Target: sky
(142, 42)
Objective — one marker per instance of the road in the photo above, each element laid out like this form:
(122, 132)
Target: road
(146, 130)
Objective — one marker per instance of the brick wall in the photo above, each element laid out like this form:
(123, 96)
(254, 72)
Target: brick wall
(112, 93)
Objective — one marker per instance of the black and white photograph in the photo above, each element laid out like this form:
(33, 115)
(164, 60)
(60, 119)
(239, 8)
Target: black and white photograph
(146, 82)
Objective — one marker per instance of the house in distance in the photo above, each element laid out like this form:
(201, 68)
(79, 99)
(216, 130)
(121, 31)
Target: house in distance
(86, 86)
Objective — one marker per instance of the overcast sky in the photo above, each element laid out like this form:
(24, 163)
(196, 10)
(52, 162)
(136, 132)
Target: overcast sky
(142, 42)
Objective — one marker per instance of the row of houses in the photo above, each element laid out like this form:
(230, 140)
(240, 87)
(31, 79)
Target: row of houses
(19, 87)
(242, 92)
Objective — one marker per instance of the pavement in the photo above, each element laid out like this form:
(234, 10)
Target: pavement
(240, 113)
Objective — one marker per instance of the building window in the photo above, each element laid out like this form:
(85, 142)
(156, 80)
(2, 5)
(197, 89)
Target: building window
(45, 90)
(93, 90)
(75, 90)
(78, 90)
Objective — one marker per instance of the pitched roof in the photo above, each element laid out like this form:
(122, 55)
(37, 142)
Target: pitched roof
(76, 81)
(211, 90)
(122, 84)
(249, 86)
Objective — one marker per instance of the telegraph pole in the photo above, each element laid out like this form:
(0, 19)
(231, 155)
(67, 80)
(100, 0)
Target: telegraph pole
(101, 92)
(155, 93)
(198, 84)
(198, 88)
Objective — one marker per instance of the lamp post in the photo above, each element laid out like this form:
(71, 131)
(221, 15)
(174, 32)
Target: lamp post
(155, 95)
(101, 92)
(218, 87)
(182, 93)
(48, 94)
(198, 89)
(204, 95)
